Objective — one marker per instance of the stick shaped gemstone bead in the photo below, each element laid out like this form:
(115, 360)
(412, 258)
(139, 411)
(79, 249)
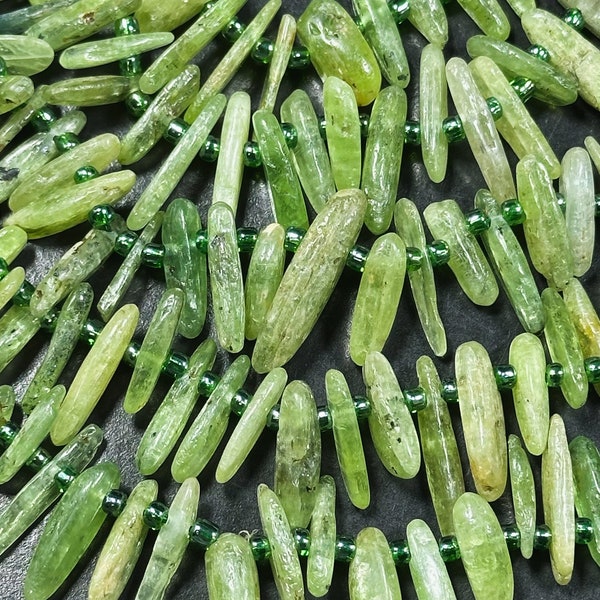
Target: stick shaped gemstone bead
(7, 403)
(20, 117)
(156, 15)
(12, 240)
(10, 285)
(429, 17)
(14, 91)
(95, 90)
(17, 21)
(489, 17)
(17, 327)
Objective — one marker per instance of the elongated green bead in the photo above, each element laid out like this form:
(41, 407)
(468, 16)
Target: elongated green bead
(95, 90)
(482, 549)
(171, 542)
(440, 451)
(172, 415)
(230, 164)
(468, 263)
(185, 264)
(251, 424)
(155, 15)
(563, 345)
(482, 418)
(123, 545)
(17, 327)
(530, 393)
(208, 428)
(310, 154)
(75, 266)
(520, 6)
(523, 493)
(31, 435)
(309, 280)
(17, 21)
(427, 569)
(383, 157)
(14, 91)
(297, 454)
(343, 132)
(480, 130)
(7, 403)
(515, 125)
(391, 425)
(348, 443)
(372, 572)
(73, 23)
(10, 285)
(94, 374)
(489, 17)
(378, 296)
(510, 264)
(12, 240)
(230, 569)
(586, 467)
(337, 48)
(175, 165)
(17, 120)
(25, 56)
(558, 497)
(287, 201)
(544, 229)
(71, 528)
(102, 52)
(173, 60)
(429, 17)
(593, 148)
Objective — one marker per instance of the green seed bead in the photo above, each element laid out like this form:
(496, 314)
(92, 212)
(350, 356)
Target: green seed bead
(597, 203)
(131, 354)
(512, 536)
(261, 549)
(506, 376)
(560, 200)
(153, 255)
(210, 149)
(203, 533)
(3, 68)
(155, 515)
(362, 407)
(439, 253)
(8, 432)
(412, 133)
(293, 237)
(524, 87)
(584, 530)
(84, 174)
(574, 18)
(400, 10)
(357, 257)
(324, 418)
(252, 156)
(49, 320)
(449, 550)
(64, 478)
(39, 459)
(449, 391)
(542, 537)
(453, 129)
(3, 269)
(232, 31)
(273, 418)
(114, 502)
(345, 549)
(477, 221)
(240, 401)
(101, 217)
(90, 331)
(400, 552)
(127, 26)
(323, 126)
(176, 364)
(24, 294)
(539, 52)
(137, 104)
(415, 399)
(290, 135)
(131, 66)
(592, 369)
(175, 130)
(66, 141)
(246, 238)
(299, 58)
(414, 258)
(124, 242)
(358, 22)
(263, 51)
(364, 120)
(43, 118)
(207, 384)
(513, 212)
(554, 374)
(495, 107)
(302, 541)
(202, 240)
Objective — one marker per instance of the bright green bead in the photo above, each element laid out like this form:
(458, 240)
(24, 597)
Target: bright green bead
(293, 237)
(207, 384)
(203, 533)
(324, 418)
(584, 530)
(449, 550)
(137, 104)
(153, 255)
(400, 552)
(290, 135)
(8, 432)
(90, 331)
(202, 240)
(554, 374)
(24, 294)
(124, 242)
(542, 537)
(415, 399)
(592, 369)
(513, 212)
(64, 478)
(414, 258)
(261, 549)
(240, 401)
(412, 133)
(126, 26)
(574, 18)
(357, 257)
(299, 58)
(302, 541)
(495, 107)
(101, 217)
(246, 238)
(539, 52)
(176, 364)
(449, 391)
(43, 118)
(362, 407)
(477, 221)
(524, 87)
(453, 129)
(49, 320)
(399, 9)
(85, 173)
(3, 269)
(232, 31)
(39, 459)
(364, 119)
(273, 418)
(66, 141)
(345, 549)
(175, 130)
(263, 51)
(210, 149)
(131, 66)
(131, 354)
(506, 376)
(439, 253)
(512, 536)
(252, 156)
(114, 502)
(155, 515)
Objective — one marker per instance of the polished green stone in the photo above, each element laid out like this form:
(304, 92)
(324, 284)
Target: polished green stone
(7, 403)
(12, 240)
(17, 327)
(11, 284)
(489, 17)
(95, 90)
(156, 15)
(27, 113)
(17, 21)
(14, 91)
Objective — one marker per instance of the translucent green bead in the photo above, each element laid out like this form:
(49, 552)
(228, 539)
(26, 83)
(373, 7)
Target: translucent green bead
(323, 126)
(203, 533)
(290, 135)
(495, 107)
(364, 119)
(506, 376)
(415, 399)
(597, 203)
(357, 257)
(8, 432)
(232, 31)
(155, 515)
(252, 156)
(449, 550)
(293, 237)
(542, 537)
(477, 221)
(202, 240)
(85, 173)
(273, 418)
(114, 502)
(43, 118)
(584, 530)
(574, 18)
(39, 459)
(240, 401)
(131, 354)
(126, 26)
(362, 407)
(554, 374)
(24, 294)
(175, 130)
(345, 549)
(539, 52)
(3, 268)
(246, 238)
(453, 129)
(513, 212)
(261, 549)
(90, 331)
(302, 541)
(64, 478)
(101, 217)
(137, 104)
(449, 391)
(524, 87)
(324, 418)
(153, 255)
(439, 253)
(414, 258)
(263, 51)
(131, 66)
(124, 242)
(358, 22)
(176, 364)
(399, 9)
(592, 369)
(49, 320)
(412, 133)
(299, 58)
(400, 552)
(512, 537)
(207, 384)
(66, 141)
(210, 149)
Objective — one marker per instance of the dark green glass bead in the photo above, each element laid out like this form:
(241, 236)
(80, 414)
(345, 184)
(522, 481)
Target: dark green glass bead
(293, 237)
(449, 391)
(101, 217)
(299, 58)
(246, 238)
(323, 127)
(562, 203)
(542, 537)
(524, 87)
(357, 257)
(90, 331)
(24, 294)
(453, 129)
(512, 536)
(512, 211)
(364, 120)
(49, 320)
(43, 118)
(202, 240)
(324, 418)
(127, 26)
(415, 399)
(39, 459)
(155, 515)
(176, 364)
(131, 353)
(574, 18)
(114, 502)
(153, 255)
(597, 203)
(439, 253)
(449, 550)
(175, 130)
(207, 384)
(124, 242)
(263, 51)
(592, 369)
(137, 104)
(495, 107)
(64, 478)
(399, 10)
(554, 374)
(261, 549)
(359, 24)
(345, 549)
(66, 141)
(477, 221)
(584, 530)
(8, 432)
(414, 258)
(506, 376)
(203, 533)
(539, 52)
(209, 152)
(290, 135)
(240, 401)
(273, 418)
(252, 156)
(362, 407)
(302, 541)
(3, 269)
(130, 66)
(412, 133)
(85, 173)
(400, 552)
(3, 68)
(232, 31)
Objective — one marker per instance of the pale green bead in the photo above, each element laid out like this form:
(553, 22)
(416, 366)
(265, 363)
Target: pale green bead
(372, 573)
(251, 424)
(593, 148)
(171, 542)
(392, 428)
(429, 17)
(10, 285)
(440, 450)
(342, 127)
(482, 549)
(520, 6)
(488, 16)
(96, 90)
(123, 545)
(12, 240)
(378, 296)
(348, 443)
(482, 418)
(14, 91)
(18, 21)
(157, 15)
(17, 327)
(558, 497)
(7, 403)
(15, 122)
(447, 222)
(530, 393)
(297, 453)
(94, 374)
(544, 228)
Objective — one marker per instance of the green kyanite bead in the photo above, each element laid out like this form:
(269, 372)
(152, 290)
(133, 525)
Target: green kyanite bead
(362, 407)
(302, 541)
(400, 10)
(232, 31)
(357, 257)
(495, 107)
(293, 237)
(85, 174)
(542, 537)
(453, 129)
(24, 294)
(512, 212)
(584, 530)
(252, 157)
(477, 221)
(412, 133)
(506, 376)
(153, 255)
(263, 51)
(299, 58)
(39, 460)
(439, 253)
(66, 141)
(554, 374)
(137, 104)
(449, 550)
(43, 118)
(114, 502)
(512, 537)
(8, 432)
(246, 238)
(209, 152)
(203, 533)
(261, 549)
(524, 87)
(539, 52)
(345, 549)
(176, 364)
(207, 384)
(400, 552)
(124, 242)
(290, 134)
(101, 217)
(156, 515)
(592, 369)
(175, 130)
(91, 330)
(131, 353)
(64, 478)
(240, 401)
(273, 418)
(126, 26)
(3, 268)
(415, 399)
(324, 417)
(449, 391)
(574, 18)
